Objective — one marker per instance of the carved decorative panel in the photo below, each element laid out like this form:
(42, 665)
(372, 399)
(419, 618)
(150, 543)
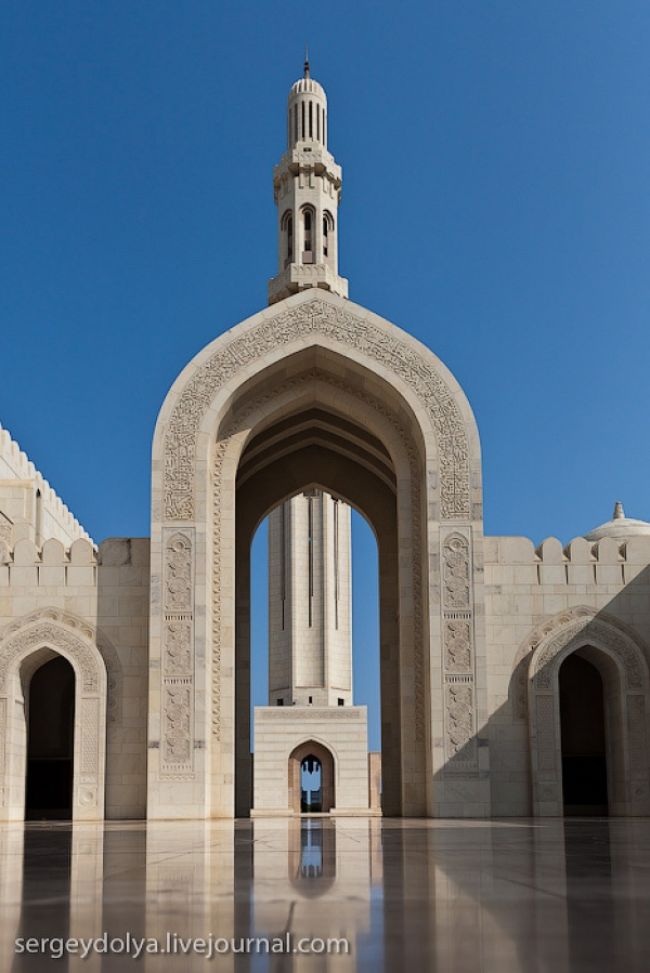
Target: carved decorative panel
(458, 653)
(177, 697)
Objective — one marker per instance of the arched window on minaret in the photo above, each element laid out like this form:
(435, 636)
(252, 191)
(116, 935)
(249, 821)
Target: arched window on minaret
(287, 237)
(308, 235)
(328, 236)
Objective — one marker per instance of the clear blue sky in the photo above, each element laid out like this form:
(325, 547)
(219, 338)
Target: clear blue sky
(496, 204)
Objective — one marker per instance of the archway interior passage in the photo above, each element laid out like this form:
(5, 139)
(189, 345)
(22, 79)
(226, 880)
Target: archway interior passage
(311, 785)
(50, 704)
(365, 624)
(583, 734)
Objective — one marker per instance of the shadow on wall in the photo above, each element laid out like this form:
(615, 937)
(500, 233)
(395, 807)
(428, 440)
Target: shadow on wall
(552, 753)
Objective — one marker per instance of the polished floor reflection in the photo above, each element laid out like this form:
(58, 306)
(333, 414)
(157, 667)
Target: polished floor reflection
(414, 895)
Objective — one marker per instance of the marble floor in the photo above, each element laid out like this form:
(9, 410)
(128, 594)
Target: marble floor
(406, 894)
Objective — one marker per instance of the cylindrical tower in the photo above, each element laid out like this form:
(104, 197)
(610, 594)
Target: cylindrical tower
(307, 189)
(310, 599)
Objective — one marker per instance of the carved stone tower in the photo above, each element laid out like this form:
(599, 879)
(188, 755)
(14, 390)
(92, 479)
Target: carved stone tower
(307, 189)
(310, 638)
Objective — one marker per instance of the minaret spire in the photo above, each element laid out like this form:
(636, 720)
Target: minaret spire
(307, 190)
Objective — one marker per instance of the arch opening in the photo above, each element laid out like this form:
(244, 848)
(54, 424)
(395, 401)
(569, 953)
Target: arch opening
(50, 713)
(320, 442)
(311, 779)
(583, 737)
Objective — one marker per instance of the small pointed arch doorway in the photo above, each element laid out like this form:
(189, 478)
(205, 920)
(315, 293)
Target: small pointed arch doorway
(49, 694)
(311, 779)
(583, 737)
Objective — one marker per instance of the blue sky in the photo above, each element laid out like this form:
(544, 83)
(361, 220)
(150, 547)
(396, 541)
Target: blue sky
(496, 205)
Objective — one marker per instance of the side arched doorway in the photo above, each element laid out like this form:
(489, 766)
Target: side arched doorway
(588, 705)
(49, 700)
(583, 737)
(53, 689)
(311, 760)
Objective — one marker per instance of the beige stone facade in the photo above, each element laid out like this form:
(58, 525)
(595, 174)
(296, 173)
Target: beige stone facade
(318, 393)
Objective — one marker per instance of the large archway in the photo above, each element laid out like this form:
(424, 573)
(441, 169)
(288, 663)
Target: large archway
(621, 676)
(317, 393)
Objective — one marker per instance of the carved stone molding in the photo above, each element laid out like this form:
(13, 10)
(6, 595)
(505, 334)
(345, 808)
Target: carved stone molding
(353, 332)
(72, 623)
(588, 630)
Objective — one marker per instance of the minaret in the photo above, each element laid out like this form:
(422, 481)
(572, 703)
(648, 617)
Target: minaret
(307, 190)
(310, 631)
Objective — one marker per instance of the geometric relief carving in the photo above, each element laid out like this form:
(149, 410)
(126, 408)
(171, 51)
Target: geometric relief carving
(176, 724)
(178, 649)
(178, 582)
(220, 452)
(338, 324)
(460, 722)
(177, 656)
(582, 631)
(457, 634)
(457, 641)
(43, 632)
(89, 755)
(455, 572)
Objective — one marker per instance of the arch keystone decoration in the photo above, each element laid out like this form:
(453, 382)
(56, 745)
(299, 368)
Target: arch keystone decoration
(57, 633)
(620, 656)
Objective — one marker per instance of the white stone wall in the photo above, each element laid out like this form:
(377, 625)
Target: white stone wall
(525, 591)
(105, 593)
(279, 730)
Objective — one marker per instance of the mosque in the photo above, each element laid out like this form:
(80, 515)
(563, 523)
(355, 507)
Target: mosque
(514, 679)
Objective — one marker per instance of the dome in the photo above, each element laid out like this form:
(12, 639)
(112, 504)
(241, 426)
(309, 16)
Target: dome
(619, 527)
(307, 86)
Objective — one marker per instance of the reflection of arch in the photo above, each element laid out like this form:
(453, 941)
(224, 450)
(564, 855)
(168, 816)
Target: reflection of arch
(312, 748)
(375, 385)
(311, 861)
(25, 645)
(620, 660)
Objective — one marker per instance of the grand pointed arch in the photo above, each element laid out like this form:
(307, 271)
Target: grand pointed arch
(316, 390)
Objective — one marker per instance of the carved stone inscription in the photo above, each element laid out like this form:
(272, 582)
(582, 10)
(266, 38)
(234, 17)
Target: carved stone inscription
(357, 333)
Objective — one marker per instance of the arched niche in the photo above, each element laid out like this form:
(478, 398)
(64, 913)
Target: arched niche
(620, 660)
(318, 392)
(325, 757)
(25, 645)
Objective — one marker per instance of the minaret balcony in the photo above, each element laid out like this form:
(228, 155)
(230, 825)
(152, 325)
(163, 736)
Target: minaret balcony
(298, 277)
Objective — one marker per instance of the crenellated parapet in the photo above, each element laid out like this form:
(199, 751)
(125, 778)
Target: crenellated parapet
(55, 565)
(29, 506)
(608, 561)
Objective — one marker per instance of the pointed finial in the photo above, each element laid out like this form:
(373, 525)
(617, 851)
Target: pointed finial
(306, 61)
(619, 513)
